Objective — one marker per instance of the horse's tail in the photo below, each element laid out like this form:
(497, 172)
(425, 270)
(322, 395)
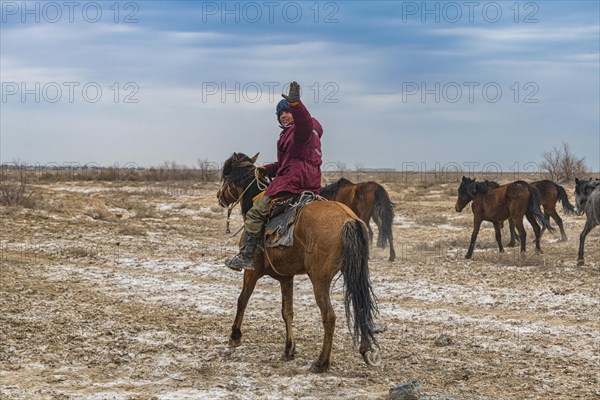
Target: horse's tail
(535, 202)
(564, 199)
(359, 299)
(384, 214)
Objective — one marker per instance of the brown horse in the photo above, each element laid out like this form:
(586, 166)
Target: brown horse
(367, 199)
(497, 203)
(328, 238)
(550, 193)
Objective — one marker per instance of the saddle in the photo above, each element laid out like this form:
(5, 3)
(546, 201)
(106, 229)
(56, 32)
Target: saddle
(283, 214)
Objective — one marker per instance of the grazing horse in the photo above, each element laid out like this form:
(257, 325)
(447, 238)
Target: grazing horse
(328, 238)
(367, 199)
(587, 199)
(495, 203)
(551, 193)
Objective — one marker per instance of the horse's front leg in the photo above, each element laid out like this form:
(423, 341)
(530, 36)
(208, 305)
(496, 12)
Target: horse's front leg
(476, 225)
(321, 290)
(250, 279)
(498, 236)
(513, 235)
(287, 311)
(586, 229)
(392, 250)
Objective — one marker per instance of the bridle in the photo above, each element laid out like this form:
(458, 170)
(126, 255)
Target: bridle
(222, 202)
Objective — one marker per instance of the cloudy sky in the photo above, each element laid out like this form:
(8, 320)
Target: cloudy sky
(395, 84)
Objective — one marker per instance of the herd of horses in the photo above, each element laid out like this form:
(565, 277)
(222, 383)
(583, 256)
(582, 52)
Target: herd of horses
(334, 236)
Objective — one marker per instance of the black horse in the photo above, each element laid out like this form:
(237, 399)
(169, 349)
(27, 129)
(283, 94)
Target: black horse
(587, 198)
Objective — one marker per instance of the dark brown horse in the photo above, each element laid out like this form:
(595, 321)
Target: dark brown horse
(367, 199)
(495, 203)
(550, 193)
(328, 238)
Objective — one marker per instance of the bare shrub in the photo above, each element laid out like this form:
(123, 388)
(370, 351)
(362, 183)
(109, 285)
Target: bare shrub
(110, 174)
(14, 190)
(170, 171)
(562, 165)
(209, 171)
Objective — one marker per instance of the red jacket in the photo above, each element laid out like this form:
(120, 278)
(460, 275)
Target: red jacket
(298, 166)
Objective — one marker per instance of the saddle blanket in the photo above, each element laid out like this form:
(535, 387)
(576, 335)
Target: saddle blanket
(279, 230)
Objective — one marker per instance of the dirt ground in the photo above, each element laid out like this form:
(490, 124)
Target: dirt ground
(118, 291)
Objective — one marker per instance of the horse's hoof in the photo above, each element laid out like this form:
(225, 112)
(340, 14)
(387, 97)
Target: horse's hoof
(580, 263)
(372, 358)
(235, 343)
(319, 367)
(468, 256)
(288, 352)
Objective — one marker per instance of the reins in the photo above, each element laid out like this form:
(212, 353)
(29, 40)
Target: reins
(261, 186)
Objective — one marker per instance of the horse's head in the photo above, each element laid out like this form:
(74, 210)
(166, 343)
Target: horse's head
(342, 182)
(238, 173)
(583, 190)
(465, 193)
(330, 192)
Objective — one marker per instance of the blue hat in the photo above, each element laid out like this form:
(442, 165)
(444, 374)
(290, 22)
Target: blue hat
(282, 106)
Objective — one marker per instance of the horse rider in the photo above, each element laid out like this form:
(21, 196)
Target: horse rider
(297, 170)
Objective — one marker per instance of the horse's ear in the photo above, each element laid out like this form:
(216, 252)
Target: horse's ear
(463, 178)
(576, 181)
(253, 159)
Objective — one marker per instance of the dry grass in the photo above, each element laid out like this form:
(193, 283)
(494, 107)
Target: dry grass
(132, 230)
(99, 214)
(143, 308)
(431, 219)
(136, 204)
(81, 252)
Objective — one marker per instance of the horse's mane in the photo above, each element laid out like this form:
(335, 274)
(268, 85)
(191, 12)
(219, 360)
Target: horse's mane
(239, 171)
(331, 191)
(472, 186)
